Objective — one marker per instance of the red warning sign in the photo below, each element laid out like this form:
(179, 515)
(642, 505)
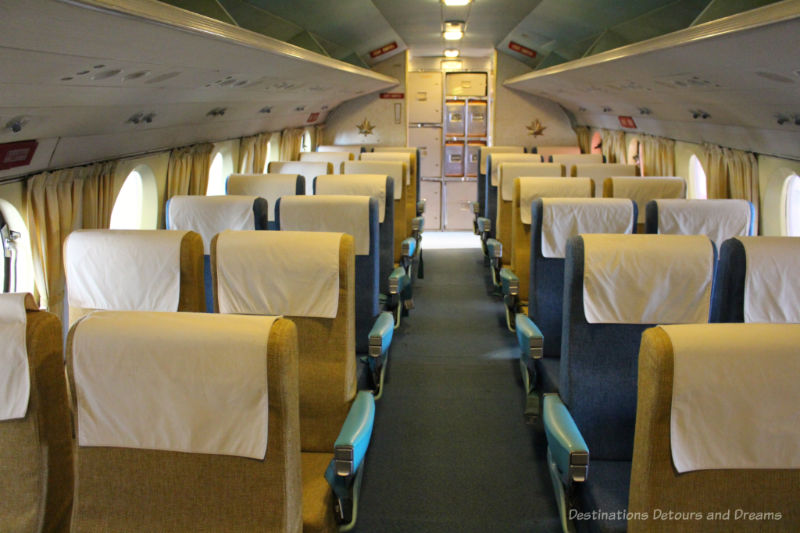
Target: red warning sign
(385, 49)
(524, 50)
(18, 154)
(627, 122)
(312, 117)
(393, 96)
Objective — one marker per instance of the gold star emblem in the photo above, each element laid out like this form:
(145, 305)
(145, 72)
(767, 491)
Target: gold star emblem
(365, 128)
(536, 128)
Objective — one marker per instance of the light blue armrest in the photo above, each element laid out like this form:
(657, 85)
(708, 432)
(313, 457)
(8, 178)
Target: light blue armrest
(509, 281)
(418, 224)
(353, 440)
(564, 440)
(420, 207)
(529, 337)
(380, 336)
(409, 246)
(495, 248)
(398, 280)
(484, 225)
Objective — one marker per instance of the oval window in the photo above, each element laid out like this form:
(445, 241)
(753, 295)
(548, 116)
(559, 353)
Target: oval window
(792, 206)
(697, 179)
(128, 209)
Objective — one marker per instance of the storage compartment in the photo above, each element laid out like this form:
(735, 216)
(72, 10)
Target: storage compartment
(454, 120)
(459, 196)
(466, 83)
(429, 142)
(453, 159)
(424, 97)
(476, 119)
(472, 158)
(431, 192)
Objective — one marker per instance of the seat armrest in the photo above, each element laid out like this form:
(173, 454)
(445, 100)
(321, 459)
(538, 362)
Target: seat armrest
(353, 440)
(398, 280)
(529, 337)
(409, 246)
(476, 208)
(418, 224)
(509, 281)
(380, 336)
(495, 248)
(564, 440)
(484, 225)
(420, 207)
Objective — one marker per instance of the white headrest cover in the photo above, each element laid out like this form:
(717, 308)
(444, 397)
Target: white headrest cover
(278, 273)
(330, 213)
(267, 186)
(355, 150)
(547, 151)
(600, 171)
(15, 379)
(497, 159)
(124, 270)
(772, 284)
(647, 279)
(735, 396)
(182, 382)
(508, 172)
(308, 169)
(532, 188)
(356, 184)
(563, 218)
(335, 158)
(487, 150)
(570, 160)
(719, 220)
(642, 190)
(209, 215)
(403, 157)
(394, 169)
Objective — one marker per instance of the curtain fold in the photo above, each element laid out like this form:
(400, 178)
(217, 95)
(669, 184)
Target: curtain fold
(187, 172)
(658, 156)
(613, 148)
(253, 153)
(58, 203)
(584, 138)
(291, 140)
(732, 174)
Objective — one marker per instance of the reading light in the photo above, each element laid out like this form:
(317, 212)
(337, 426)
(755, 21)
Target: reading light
(456, 3)
(453, 30)
(451, 52)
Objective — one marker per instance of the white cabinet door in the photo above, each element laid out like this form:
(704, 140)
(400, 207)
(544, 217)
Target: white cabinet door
(431, 192)
(424, 97)
(429, 142)
(458, 209)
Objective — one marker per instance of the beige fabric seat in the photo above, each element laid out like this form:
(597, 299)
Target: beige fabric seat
(337, 159)
(117, 256)
(326, 354)
(643, 190)
(600, 171)
(267, 186)
(36, 451)
(506, 174)
(547, 151)
(354, 149)
(147, 487)
(655, 481)
(570, 160)
(308, 169)
(408, 156)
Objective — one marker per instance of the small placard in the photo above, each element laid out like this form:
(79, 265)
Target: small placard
(627, 122)
(312, 117)
(385, 49)
(393, 96)
(524, 50)
(17, 154)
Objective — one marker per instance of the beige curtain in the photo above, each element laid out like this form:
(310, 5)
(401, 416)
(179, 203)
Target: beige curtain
(614, 149)
(658, 156)
(291, 139)
(253, 153)
(731, 174)
(584, 139)
(59, 202)
(187, 172)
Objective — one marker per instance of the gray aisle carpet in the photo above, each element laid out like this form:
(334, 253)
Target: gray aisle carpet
(450, 450)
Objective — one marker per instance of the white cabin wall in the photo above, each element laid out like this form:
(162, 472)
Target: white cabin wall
(14, 193)
(514, 110)
(340, 126)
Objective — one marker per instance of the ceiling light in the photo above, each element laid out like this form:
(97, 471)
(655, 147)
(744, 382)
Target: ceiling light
(456, 3)
(451, 52)
(453, 30)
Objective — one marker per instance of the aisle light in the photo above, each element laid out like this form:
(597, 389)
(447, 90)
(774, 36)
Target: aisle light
(453, 30)
(451, 52)
(456, 3)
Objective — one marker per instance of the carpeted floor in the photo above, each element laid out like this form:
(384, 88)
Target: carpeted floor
(450, 450)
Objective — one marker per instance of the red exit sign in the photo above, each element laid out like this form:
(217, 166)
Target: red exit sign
(18, 154)
(393, 96)
(524, 50)
(312, 118)
(385, 49)
(627, 122)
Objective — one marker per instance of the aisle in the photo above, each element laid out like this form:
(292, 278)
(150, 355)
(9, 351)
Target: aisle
(450, 450)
